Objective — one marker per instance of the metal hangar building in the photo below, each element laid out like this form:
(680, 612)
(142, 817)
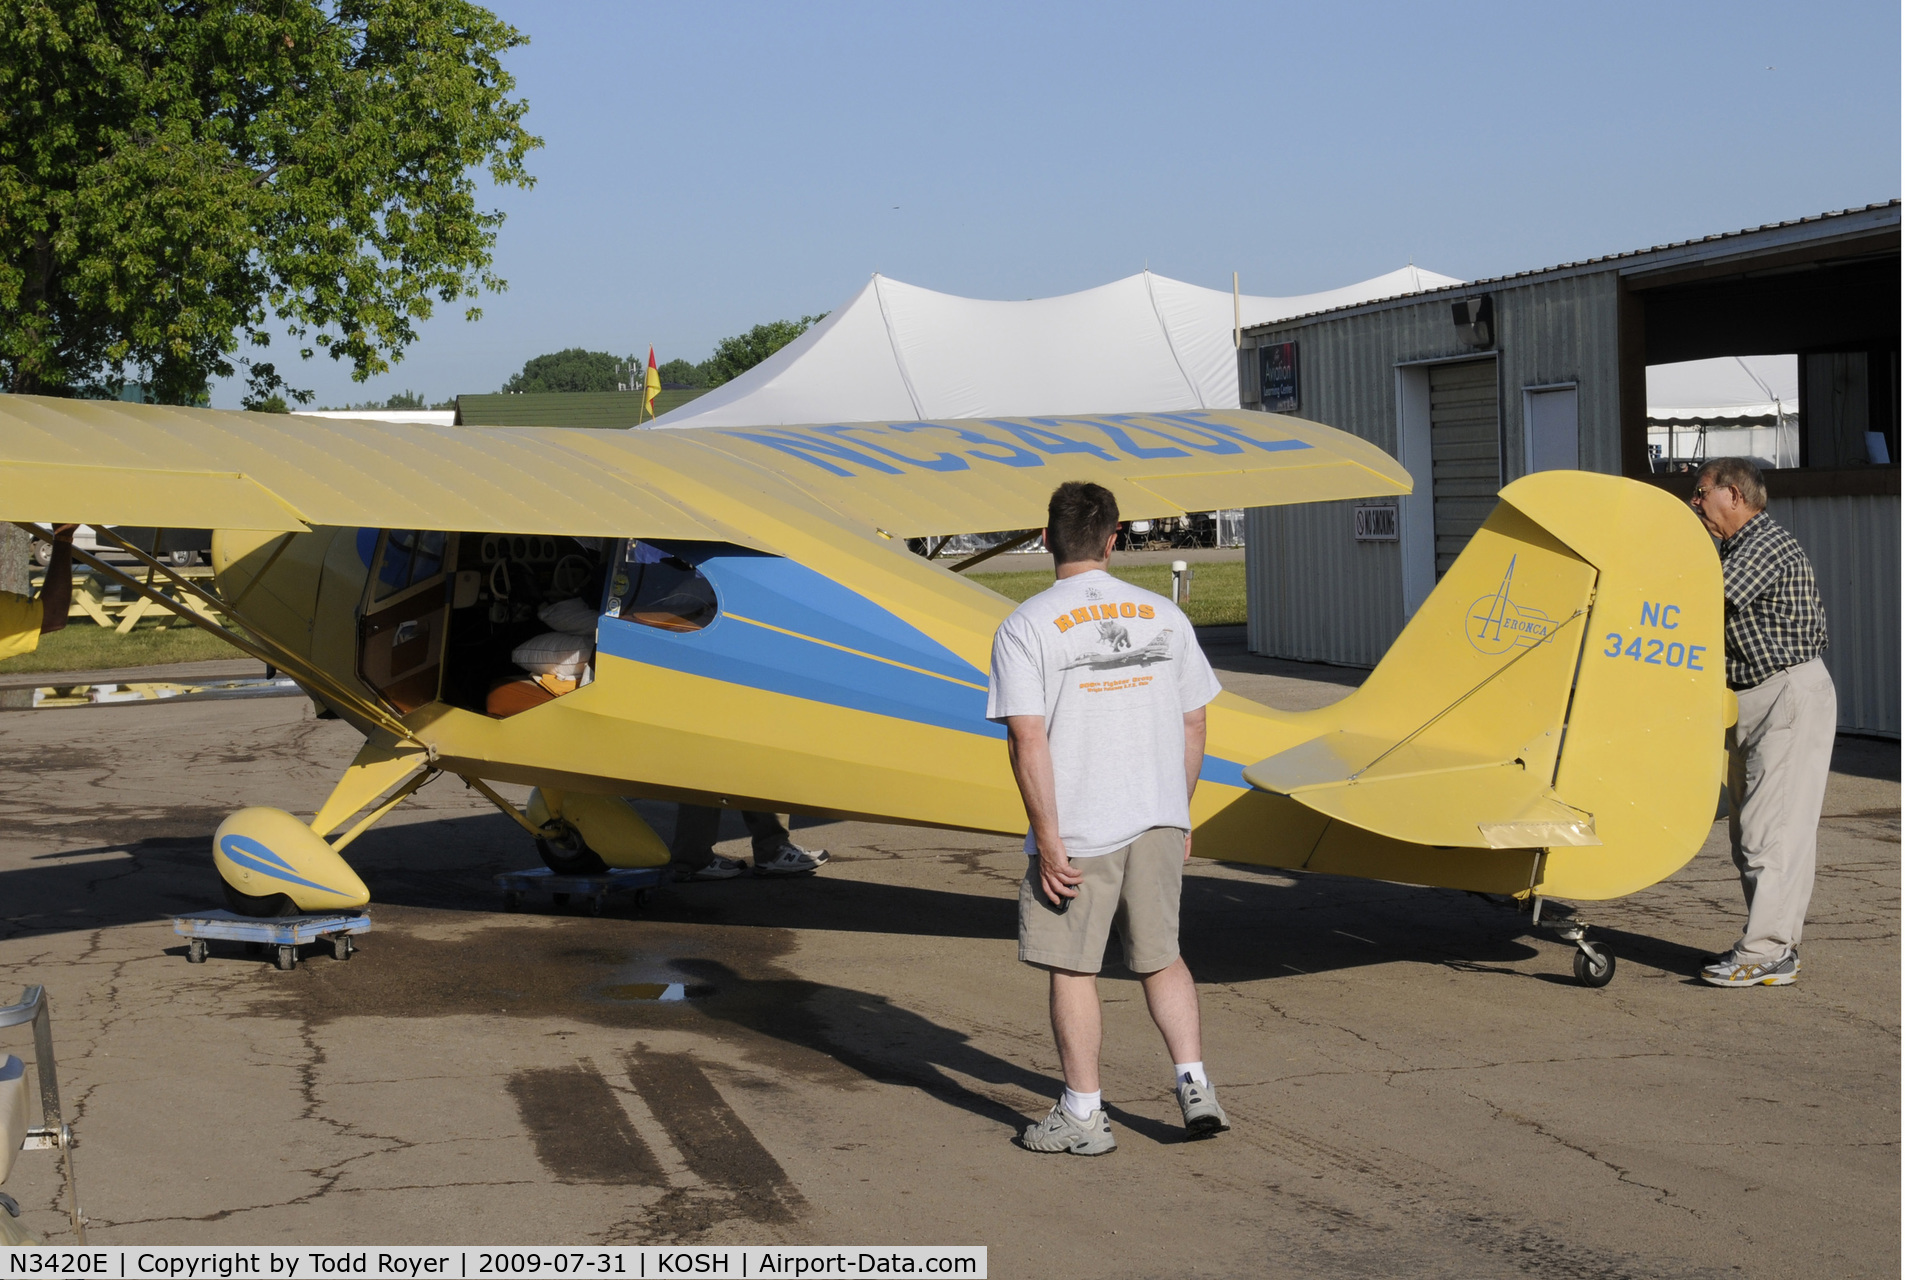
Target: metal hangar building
(1473, 385)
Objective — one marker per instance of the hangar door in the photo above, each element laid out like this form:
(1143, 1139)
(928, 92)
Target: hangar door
(1464, 404)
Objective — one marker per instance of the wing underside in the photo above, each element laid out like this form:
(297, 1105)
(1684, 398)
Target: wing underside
(105, 462)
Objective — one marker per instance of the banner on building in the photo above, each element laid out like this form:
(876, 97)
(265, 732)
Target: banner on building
(1280, 377)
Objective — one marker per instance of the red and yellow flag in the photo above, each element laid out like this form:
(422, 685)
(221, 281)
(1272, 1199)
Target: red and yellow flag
(653, 385)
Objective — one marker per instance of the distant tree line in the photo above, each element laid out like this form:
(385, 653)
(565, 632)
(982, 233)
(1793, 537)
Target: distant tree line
(399, 400)
(577, 369)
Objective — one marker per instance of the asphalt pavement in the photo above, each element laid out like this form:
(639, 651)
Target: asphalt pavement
(1417, 1085)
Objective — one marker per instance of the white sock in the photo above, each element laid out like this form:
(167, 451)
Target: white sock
(1082, 1105)
(1181, 1070)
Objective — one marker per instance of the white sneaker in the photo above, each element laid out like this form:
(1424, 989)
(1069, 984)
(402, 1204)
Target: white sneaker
(1783, 972)
(792, 860)
(716, 868)
(1061, 1130)
(1200, 1109)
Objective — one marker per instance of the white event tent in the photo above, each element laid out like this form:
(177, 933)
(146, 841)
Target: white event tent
(896, 352)
(1732, 406)
(1727, 387)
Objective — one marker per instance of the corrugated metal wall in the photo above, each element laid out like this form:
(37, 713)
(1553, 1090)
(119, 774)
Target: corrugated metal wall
(1854, 544)
(1313, 593)
(1316, 595)
(1337, 615)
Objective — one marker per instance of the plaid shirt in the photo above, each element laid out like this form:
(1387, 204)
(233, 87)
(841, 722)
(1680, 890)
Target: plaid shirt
(1774, 618)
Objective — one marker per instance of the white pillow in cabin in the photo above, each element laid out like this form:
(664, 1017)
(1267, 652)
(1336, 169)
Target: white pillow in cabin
(570, 616)
(555, 653)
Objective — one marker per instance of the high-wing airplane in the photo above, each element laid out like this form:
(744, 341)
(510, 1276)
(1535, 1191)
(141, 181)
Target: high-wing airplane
(734, 617)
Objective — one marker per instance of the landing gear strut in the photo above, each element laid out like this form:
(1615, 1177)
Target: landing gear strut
(1593, 962)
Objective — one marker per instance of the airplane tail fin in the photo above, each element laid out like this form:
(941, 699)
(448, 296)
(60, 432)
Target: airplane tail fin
(1562, 689)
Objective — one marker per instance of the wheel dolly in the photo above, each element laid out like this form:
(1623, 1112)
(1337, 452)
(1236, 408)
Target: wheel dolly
(53, 1133)
(286, 934)
(514, 886)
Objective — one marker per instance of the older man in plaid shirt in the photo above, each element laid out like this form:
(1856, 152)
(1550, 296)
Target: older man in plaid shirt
(1782, 744)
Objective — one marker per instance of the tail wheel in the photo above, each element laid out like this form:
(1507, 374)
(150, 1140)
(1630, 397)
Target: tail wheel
(1592, 971)
(568, 855)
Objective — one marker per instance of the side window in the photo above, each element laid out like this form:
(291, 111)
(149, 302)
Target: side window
(657, 588)
(396, 560)
(429, 547)
(408, 556)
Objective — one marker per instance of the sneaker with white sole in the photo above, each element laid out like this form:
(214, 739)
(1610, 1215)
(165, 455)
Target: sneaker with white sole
(792, 860)
(1064, 1131)
(1200, 1109)
(1723, 964)
(715, 868)
(1783, 972)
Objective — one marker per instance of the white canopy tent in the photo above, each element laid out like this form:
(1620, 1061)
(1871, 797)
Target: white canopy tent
(897, 352)
(1729, 407)
(1728, 387)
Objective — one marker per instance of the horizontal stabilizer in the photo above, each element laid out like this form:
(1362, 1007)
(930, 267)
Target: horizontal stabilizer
(1423, 793)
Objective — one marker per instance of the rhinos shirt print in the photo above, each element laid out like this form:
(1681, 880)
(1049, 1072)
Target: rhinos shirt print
(1114, 669)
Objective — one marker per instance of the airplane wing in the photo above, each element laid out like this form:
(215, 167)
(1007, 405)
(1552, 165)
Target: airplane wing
(106, 462)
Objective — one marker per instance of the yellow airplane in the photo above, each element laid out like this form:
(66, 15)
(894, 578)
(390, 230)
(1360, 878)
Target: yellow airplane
(733, 617)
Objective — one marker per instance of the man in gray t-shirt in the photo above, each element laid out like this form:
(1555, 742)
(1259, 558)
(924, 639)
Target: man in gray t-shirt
(1104, 691)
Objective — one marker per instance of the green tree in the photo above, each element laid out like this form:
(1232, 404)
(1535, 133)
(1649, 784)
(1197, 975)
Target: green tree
(175, 177)
(735, 355)
(398, 400)
(575, 369)
(682, 373)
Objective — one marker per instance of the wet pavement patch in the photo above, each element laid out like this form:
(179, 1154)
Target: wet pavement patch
(717, 1146)
(656, 991)
(607, 972)
(580, 1131)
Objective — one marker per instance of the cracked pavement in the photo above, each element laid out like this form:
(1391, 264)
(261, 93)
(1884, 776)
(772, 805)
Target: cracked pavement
(1417, 1086)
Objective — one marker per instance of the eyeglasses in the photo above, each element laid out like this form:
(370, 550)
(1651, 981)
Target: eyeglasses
(1700, 493)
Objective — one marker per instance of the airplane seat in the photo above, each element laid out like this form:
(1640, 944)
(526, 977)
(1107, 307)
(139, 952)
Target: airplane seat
(511, 695)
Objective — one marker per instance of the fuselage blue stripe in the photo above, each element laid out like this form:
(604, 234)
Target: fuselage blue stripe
(1225, 772)
(759, 658)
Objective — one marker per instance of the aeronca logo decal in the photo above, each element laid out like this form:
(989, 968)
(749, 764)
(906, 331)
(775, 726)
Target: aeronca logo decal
(1497, 623)
(899, 448)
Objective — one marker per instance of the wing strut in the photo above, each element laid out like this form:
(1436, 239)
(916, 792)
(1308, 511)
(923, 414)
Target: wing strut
(251, 642)
(993, 550)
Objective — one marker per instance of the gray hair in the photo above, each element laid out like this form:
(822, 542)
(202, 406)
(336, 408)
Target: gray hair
(1740, 474)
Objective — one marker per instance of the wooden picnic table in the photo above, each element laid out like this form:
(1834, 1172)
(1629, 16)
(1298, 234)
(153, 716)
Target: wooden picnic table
(104, 604)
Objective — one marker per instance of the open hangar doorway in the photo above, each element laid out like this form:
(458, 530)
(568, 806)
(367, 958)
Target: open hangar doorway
(1834, 308)
(1832, 468)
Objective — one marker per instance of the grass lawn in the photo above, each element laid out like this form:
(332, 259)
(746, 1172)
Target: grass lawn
(1219, 590)
(85, 647)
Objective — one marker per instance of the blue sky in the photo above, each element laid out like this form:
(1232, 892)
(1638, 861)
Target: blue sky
(711, 166)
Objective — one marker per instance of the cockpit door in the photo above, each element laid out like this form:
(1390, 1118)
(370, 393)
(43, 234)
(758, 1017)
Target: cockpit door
(403, 619)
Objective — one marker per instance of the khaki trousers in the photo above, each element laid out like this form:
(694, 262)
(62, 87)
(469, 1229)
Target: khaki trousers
(1779, 754)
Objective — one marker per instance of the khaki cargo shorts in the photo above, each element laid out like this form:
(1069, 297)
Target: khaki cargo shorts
(1141, 883)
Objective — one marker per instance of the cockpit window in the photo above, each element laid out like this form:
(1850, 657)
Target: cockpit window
(410, 556)
(395, 560)
(657, 588)
(429, 546)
